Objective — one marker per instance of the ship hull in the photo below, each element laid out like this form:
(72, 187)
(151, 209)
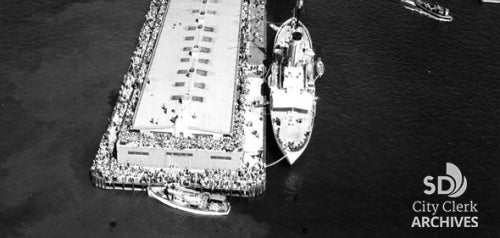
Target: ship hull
(292, 155)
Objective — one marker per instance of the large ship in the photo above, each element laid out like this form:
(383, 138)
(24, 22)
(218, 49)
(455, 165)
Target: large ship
(433, 11)
(292, 86)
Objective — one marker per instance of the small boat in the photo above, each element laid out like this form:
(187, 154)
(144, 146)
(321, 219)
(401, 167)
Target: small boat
(188, 200)
(433, 11)
(320, 68)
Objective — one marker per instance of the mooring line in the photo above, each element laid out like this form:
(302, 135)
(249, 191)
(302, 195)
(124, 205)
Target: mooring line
(275, 162)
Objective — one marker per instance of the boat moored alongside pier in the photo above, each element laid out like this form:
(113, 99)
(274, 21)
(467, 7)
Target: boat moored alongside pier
(188, 200)
(292, 78)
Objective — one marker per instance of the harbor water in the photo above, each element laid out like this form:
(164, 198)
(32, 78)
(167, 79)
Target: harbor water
(402, 95)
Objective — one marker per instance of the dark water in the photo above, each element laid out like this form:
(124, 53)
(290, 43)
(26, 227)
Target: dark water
(402, 95)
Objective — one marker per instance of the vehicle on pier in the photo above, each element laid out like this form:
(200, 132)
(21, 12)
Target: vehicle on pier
(188, 200)
(433, 11)
(291, 80)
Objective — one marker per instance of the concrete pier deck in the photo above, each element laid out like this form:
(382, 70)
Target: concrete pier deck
(197, 37)
(192, 98)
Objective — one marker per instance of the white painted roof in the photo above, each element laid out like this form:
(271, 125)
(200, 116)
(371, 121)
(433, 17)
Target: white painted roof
(212, 82)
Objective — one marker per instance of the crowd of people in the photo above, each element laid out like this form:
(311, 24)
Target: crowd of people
(130, 89)
(107, 167)
(292, 145)
(166, 140)
(254, 10)
(242, 179)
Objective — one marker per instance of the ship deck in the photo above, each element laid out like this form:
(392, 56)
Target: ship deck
(192, 76)
(292, 108)
(294, 111)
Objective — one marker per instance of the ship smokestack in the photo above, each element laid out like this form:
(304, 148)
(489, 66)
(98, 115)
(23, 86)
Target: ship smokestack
(293, 46)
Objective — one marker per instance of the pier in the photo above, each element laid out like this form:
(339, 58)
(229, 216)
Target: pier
(191, 109)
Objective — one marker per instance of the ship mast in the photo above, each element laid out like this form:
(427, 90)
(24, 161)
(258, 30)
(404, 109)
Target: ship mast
(296, 13)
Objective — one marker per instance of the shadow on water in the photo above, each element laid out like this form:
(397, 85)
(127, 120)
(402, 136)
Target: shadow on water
(293, 186)
(113, 97)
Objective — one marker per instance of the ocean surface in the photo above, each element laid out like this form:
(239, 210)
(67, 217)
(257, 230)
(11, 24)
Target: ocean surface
(402, 95)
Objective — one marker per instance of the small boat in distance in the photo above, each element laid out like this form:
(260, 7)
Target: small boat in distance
(188, 200)
(433, 11)
(490, 1)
